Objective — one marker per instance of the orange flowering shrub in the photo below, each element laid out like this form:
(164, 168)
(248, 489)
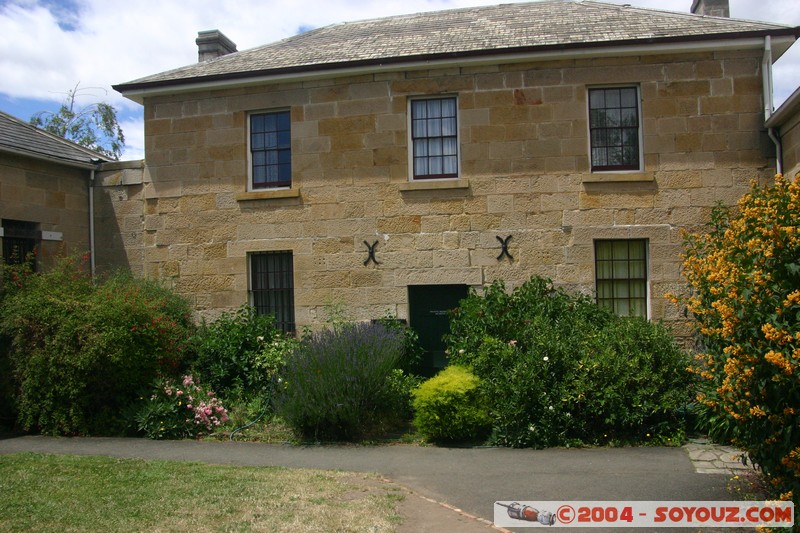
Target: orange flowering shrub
(745, 275)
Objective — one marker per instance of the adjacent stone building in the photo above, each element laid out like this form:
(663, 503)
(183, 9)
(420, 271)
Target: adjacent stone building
(45, 189)
(387, 166)
(784, 127)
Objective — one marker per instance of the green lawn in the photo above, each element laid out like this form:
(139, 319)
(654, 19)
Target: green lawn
(68, 493)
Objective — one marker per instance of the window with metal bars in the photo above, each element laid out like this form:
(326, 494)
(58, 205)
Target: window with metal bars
(621, 275)
(271, 150)
(20, 239)
(272, 287)
(614, 128)
(434, 138)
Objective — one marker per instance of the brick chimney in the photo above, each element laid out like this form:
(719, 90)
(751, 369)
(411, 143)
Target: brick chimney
(712, 8)
(212, 44)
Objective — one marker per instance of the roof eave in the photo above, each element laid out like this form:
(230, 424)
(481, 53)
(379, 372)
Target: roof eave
(781, 41)
(52, 159)
(788, 108)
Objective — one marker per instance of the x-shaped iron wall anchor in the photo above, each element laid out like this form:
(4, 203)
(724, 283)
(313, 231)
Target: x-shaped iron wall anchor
(504, 247)
(371, 252)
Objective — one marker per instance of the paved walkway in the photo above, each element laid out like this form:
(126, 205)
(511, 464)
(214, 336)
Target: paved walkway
(710, 458)
(453, 489)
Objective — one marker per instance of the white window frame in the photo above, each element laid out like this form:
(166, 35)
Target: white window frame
(250, 174)
(640, 128)
(647, 274)
(432, 177)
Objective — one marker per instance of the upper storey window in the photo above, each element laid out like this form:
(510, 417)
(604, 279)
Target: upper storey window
(434, 138)
(270, 150)
(614, 129)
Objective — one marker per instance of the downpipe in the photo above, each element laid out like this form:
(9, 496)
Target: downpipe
(92, 266)
(767, 82)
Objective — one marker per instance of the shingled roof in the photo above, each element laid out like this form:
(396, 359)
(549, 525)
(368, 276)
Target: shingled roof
(21, 138)
(462, 33)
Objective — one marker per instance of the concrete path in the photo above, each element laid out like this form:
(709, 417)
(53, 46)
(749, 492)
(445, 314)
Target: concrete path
(468, 480)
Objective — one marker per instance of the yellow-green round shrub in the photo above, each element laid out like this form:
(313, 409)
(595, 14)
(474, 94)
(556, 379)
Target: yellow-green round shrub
(450, 407)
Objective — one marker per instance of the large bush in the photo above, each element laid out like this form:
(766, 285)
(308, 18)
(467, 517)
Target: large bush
(745, 275)
(560, 370)
(451, 407)
(340, 383)
(239, 353)
(81, 352)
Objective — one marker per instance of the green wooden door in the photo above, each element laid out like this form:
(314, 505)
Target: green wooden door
(429, 316)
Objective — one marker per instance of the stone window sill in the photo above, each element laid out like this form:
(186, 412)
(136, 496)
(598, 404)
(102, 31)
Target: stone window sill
(618, 177)
(434, 185)
(267, 195)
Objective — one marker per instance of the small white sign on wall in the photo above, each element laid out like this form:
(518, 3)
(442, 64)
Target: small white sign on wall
(52, 236)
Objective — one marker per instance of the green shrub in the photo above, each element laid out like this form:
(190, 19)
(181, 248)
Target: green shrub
(450, 407)
(745, 279)
(560, 370)
(240, 352)
(80, 353)
(412, 350)
(396, 401)
(337, 385)
(179, 410)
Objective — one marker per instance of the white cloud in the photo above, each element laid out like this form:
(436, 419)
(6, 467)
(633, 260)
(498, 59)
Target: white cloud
(45, 52)
(133, 129)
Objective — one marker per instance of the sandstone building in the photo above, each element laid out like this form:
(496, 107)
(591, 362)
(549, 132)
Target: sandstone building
(387, 166)
(45, 193)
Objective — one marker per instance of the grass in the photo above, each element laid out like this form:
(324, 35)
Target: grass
(69, 493)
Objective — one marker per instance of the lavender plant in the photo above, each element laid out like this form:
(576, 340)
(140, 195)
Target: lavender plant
(337, 384)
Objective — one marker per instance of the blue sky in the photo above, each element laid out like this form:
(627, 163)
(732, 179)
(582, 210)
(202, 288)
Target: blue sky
(47, 47)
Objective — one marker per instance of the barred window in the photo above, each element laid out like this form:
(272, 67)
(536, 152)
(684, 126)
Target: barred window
(621, 276)
(614, 128)
(434, 138)
(20, 239)
(271, 150)
(272, 287)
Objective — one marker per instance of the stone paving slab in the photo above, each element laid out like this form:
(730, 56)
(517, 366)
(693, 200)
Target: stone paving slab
(709, 458)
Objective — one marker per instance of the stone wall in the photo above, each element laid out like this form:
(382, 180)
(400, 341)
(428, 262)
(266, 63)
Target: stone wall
(55, 197)
(119, 216)
(790, 139)
(524, 173)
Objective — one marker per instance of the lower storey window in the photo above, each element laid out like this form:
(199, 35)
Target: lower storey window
(272, 287)
(621, 276)
(19, 241)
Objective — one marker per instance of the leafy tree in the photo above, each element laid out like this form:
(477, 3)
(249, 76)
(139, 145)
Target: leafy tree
(745, 279)
(94, 126)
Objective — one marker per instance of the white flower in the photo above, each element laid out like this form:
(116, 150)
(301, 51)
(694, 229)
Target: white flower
(260, 338)
(461, 351)
(545, 358)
